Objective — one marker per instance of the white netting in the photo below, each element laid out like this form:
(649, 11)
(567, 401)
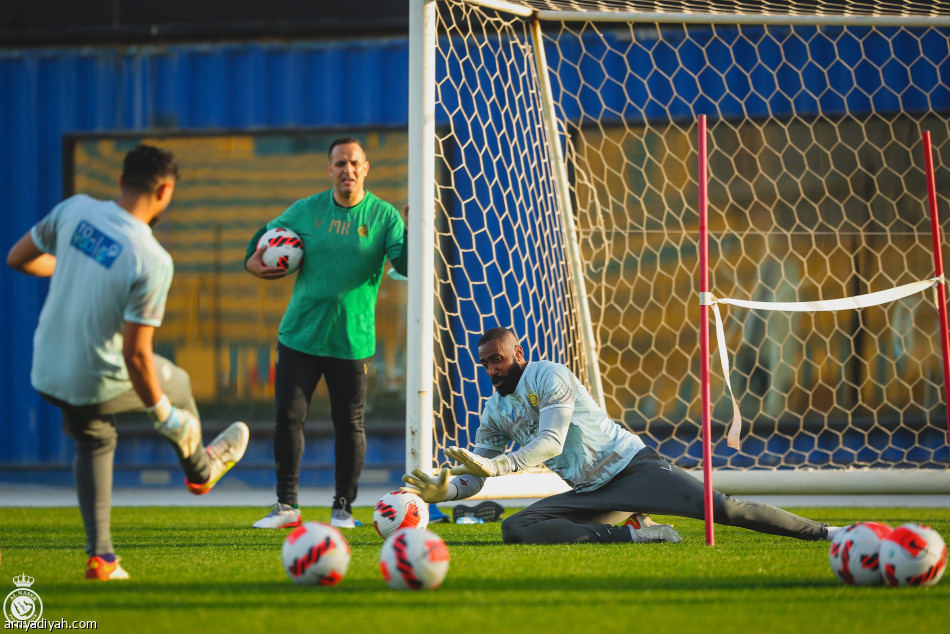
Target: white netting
(816, 189)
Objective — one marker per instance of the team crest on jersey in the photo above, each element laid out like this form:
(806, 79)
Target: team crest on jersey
(363, 231)
(533, 399)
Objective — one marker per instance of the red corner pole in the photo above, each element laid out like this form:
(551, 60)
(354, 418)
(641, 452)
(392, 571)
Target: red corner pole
(704, 331)
(938, 266)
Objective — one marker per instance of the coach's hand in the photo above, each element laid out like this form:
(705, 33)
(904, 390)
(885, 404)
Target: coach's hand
(256, 267)
(430, 490)
(471, 463)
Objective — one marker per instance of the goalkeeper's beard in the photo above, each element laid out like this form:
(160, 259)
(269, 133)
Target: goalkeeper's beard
(507, 382)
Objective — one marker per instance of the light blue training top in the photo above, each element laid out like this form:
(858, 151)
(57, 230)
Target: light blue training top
(596, 448)
(109, 269)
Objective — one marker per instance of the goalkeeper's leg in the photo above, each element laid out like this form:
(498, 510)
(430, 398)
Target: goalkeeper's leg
(649, 484)
(656, 486)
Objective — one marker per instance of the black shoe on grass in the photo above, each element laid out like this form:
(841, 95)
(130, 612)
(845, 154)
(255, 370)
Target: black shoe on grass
(486, 511)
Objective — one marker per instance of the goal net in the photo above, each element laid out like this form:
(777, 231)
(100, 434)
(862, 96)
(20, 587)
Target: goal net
(556, 142)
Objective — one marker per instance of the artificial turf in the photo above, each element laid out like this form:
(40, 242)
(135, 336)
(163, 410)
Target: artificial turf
(205, 570)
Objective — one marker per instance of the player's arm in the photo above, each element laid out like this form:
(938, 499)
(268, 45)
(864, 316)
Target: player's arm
(397, 244)
(140, 361)
(253, 263)
(26, 257)
(552, 432)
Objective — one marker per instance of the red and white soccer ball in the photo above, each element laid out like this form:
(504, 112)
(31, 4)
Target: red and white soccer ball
(284, 249)
(913, 555)
(399, 509)
(414, 559)
(315, 553)
(854, 553)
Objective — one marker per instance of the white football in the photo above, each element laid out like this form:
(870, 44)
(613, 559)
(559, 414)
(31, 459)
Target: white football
(284, 249)
(913, 555)
(414, 559)
(399, 509)
(853, 553)
(316, 553)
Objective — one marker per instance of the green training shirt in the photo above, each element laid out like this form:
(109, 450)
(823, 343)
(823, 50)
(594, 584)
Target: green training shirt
(332, 310)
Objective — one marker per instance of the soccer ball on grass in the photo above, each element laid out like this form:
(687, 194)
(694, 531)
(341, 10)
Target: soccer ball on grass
(399, 509)
(913, 555)
(853, 553)
(414, 559)
(315, 553)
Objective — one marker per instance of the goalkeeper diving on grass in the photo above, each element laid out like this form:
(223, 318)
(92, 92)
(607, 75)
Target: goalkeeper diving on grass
(613, 475)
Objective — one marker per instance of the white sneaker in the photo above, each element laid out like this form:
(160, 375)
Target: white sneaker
(280, 516)
(644, 530)
(225, 451)
(340, 518)
(832, 531)
(183, 429)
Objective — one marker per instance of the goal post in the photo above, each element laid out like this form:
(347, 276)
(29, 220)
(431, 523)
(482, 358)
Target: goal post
(553, 189)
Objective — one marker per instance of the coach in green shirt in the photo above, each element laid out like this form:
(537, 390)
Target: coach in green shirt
(329, 327)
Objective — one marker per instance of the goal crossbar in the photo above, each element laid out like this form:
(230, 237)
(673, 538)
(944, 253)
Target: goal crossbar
(547, 15)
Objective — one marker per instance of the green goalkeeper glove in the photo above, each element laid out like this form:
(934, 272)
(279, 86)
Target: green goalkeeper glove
(477, 465)
(429, 489)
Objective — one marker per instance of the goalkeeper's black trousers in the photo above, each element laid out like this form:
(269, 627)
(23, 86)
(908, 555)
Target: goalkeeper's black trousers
(649, 484)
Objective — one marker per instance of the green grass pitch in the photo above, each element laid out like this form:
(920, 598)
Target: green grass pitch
(204, 570)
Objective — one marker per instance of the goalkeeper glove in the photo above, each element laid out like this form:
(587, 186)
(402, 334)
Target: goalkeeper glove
(478, 465)
(429, 489)
(179, 426)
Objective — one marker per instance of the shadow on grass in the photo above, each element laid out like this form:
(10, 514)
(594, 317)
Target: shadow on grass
(147, 597)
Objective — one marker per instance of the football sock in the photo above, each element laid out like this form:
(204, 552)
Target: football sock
(340, 502)
(110, 557)
(633, 533)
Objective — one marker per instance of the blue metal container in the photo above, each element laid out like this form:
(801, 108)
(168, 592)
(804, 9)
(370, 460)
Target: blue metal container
(48, 93)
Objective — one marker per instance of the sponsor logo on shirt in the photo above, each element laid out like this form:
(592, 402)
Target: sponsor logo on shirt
(96, 244)
(340, 227)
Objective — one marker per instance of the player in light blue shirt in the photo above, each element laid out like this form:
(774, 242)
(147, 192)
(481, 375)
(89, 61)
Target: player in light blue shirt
(109, 268)
(613, 476)
(92, 350)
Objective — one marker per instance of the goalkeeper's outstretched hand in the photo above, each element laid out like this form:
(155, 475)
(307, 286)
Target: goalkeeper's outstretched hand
(431, 490)
(471, 463)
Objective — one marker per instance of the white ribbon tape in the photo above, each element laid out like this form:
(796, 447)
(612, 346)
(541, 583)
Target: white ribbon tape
(846, 303)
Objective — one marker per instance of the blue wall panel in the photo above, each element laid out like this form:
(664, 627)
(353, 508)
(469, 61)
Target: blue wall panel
(47, 93)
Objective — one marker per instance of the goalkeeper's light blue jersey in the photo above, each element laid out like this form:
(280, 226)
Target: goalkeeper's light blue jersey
(596, 448)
